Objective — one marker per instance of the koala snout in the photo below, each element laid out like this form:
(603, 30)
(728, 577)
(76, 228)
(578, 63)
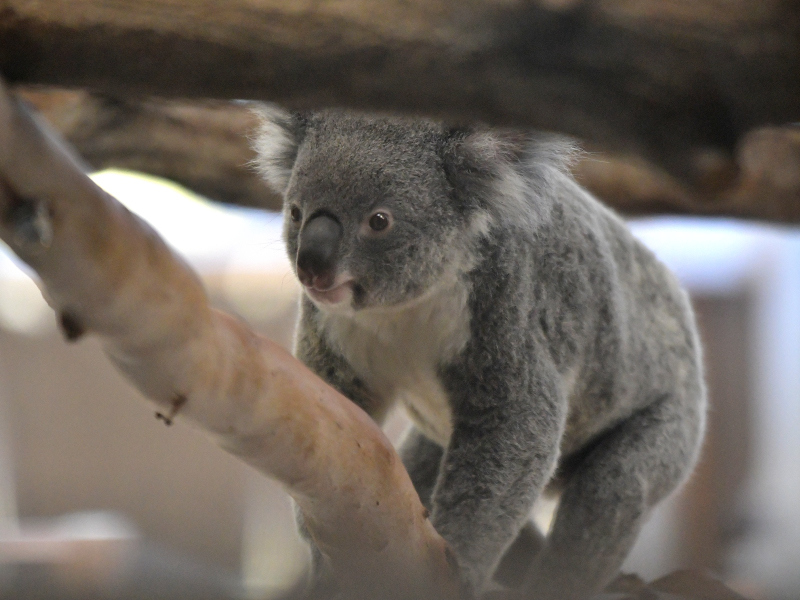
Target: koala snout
(317, 251)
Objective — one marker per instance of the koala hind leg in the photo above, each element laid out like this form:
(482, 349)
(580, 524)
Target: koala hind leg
(610, 493)
(518, 557)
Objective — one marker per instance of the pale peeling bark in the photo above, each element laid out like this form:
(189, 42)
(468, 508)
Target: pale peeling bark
(106, 272)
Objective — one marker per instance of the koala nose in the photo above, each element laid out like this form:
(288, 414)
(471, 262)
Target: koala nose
(316, 254)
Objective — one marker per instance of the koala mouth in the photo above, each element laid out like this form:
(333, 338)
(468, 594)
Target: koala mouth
(335, 294)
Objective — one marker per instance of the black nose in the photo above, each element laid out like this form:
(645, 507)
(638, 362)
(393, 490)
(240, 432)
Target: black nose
(316, 255)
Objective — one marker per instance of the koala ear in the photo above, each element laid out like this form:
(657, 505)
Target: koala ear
(503, 170)
(475, 157)
(276, 142)
(480, 152)
(489, 148)
(495, 147)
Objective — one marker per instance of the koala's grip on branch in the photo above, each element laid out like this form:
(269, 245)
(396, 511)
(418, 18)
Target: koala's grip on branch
(106, 272)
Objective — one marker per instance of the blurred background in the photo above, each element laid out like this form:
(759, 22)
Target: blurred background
(99, 499)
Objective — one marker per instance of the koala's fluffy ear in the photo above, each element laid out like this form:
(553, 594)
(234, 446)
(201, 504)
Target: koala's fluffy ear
(475, 158)
(489, 146)
(487, 149)
(503, 170)
(276, 142)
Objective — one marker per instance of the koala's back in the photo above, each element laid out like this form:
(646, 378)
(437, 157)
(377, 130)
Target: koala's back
(615, 321)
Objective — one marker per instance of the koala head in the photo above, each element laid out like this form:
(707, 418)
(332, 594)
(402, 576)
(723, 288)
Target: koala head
(378, 210)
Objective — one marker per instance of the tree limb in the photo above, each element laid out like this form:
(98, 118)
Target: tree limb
(202, 144)
(673, 82)
(205, 146)
(765, 186)
(105, 271)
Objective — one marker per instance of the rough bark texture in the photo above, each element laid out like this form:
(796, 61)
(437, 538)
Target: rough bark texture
(765, 186)
(204, 145)
(106, 272)
(679, 82)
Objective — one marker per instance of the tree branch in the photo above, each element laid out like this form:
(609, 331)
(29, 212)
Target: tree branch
(105, 271)
(765, 184)
(204, 146)
(673, 82)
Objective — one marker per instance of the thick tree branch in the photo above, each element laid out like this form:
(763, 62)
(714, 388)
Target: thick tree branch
(205, 146)
(104, 271)
(766, 184)
(680, 83)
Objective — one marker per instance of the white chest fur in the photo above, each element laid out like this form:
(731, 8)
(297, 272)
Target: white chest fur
(397, 351)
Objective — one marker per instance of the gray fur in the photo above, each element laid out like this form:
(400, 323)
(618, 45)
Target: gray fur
(538, 347)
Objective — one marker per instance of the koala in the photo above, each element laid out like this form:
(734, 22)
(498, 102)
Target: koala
(536, 345)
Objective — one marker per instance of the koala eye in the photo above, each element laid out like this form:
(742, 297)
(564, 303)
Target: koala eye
(296, 214)
(380, 221)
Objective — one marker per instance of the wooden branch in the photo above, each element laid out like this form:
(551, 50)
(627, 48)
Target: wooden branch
(764, 183)
(673, 82)
(104, 271)
(205, 146)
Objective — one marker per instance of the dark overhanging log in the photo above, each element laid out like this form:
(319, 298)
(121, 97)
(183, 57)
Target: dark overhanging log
(766, 186)
(204, 146)
(678, 83)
